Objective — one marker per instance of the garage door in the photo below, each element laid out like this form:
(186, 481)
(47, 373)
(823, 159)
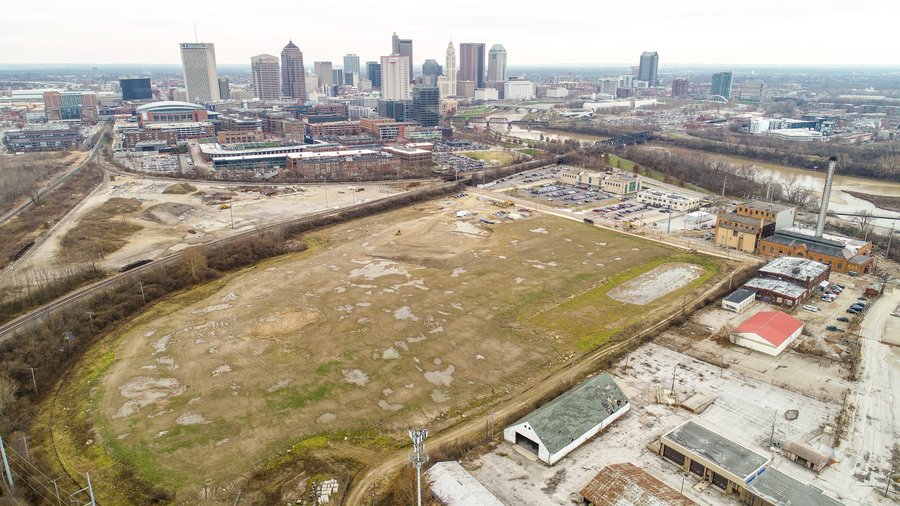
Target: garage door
(673, 455)
(720, 481)
(697, 468)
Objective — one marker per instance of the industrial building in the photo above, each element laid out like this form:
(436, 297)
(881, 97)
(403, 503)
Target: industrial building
(452, 485)
(776, 291)
(629, 485)
(736, 469)
(806, 273)
(844, 255)
(335, 165)
(769, 332)
(563, 424)
(739, 300)
(750, 222)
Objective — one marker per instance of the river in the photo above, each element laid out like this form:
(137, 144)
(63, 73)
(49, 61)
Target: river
(840, 201)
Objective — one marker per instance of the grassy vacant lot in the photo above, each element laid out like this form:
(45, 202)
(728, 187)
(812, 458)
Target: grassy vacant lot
(102, 230)
(501, 157)
(408, 318)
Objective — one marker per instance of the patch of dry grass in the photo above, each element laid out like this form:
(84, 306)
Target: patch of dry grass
(102, 230)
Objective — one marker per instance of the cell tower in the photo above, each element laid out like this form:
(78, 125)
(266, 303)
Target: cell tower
(418, 457)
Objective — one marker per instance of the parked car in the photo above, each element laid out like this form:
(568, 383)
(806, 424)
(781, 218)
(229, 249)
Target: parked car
(808, 307)
(832, 328)
(839, 285)
(843, 319)
(853, 311)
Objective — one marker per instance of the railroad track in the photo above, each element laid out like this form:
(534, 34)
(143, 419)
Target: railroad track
(23, 321)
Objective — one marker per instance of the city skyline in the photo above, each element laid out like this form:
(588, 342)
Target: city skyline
(704, 32)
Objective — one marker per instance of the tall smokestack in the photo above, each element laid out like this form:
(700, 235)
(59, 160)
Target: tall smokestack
(826, 195)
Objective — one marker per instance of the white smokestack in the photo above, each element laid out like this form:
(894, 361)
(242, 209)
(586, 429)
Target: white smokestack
(826, 195)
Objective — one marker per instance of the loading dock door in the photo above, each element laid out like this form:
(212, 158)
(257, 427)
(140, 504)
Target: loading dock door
(527, 443)
(720, 481)
(673, 455)
(697, 468)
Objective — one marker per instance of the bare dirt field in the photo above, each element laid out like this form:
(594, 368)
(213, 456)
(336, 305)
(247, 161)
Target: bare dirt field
(413, 317)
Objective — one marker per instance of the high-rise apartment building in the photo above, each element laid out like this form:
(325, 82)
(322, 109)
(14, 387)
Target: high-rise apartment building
(351, 69)
(680, 88)
(224, 88)
(373, 72)
(721, 84)
(471, 63)
(496, 70)
(649, 67)
(403, 47)
(198, 64)
(293, 75)
(323, 70)
(426, 105)
(266, 76)
(395, 77)
(607, 85)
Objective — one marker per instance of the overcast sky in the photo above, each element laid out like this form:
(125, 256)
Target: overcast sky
(859, 32)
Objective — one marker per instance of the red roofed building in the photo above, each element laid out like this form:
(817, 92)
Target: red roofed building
(769, 332)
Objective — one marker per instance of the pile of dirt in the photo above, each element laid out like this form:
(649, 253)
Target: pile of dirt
(170, 213)
(180, 189)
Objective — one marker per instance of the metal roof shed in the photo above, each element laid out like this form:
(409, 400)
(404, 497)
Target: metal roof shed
(629, 485)
(452, 485)
(563, 424)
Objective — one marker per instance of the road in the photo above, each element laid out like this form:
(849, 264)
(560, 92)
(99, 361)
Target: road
(874, 431)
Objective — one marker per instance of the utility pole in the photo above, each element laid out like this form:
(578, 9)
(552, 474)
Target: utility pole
(33, 381)
(143, 297)
(231, 208)
(56, 490)
(91, 317)
(674, 370)
(25, 445)
(418, 457)
(772, 437)
(887, 252)
(723, 185)
(9, 476)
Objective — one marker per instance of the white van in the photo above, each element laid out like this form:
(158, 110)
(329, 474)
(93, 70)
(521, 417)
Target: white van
(807, 307)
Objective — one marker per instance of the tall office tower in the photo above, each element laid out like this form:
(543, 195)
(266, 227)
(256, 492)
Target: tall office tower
(293, 75)
(198, 63)
(450, 69)
(607, 85)
(337, 77)
(648, 68)
(351, 67)
(403, 47)
(496, 70)
(431, 68)
(266, 76)
(426, 105)
(471, 63)
(323, 70)
(395, 77)
(224, 88)
(721, 84)
(680, 88)
(373, 72)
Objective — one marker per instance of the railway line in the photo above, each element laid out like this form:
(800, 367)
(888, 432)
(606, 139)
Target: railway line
(10, 328)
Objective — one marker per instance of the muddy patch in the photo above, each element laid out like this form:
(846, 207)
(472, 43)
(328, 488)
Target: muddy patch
(654, 284)
(444, 377)
(355, 377)
(145, 391)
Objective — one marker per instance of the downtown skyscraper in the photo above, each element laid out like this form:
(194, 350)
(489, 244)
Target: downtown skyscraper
(351, 69)
(721, 84)
(471, 63)
(293, 75)
(395, 77)
(496, 70)
(403, 47)
(266, 76)
(450, 70)
(649, 67)
(198, 64)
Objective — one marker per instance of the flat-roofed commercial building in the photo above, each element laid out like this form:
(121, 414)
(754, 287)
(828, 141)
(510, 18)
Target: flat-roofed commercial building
(336, 165)
(736, 469)
(133, 136)
(674, 201)
(42, 139)
(410, 155)
(384, 128)
(332, 128)
(192, 130)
